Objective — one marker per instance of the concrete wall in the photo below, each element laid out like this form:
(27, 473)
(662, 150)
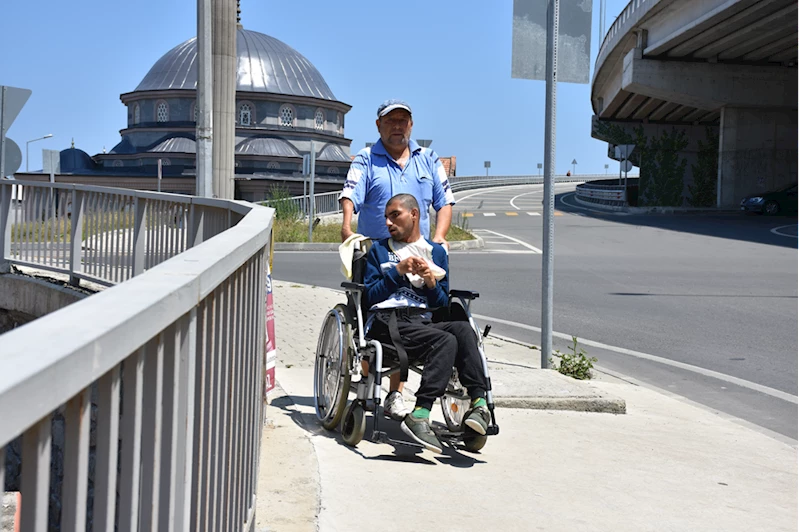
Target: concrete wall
(757, 152)
(25, 298)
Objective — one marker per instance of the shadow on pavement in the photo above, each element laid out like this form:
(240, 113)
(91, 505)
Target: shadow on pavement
(731, 225)
(402, 453)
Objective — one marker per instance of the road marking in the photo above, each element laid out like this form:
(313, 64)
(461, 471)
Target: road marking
(534, 213)
(776, 231)
(558, 213)
(524, 244)
(511, 214)
(489, 214)
(682, 365)
(539, 191)
(468, 214)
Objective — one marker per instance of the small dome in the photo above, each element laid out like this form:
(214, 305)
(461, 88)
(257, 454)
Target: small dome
(266, 146)
(333, 152)
(176, 145)
(74, 160)
(265, 64)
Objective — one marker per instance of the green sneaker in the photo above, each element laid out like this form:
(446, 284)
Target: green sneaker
(420, 431)
(478, 419)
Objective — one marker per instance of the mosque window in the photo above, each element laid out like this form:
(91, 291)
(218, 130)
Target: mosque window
(319, 119)
(332, 170)
(245, 114)
(161, 112)
(136, 113)
(287, 116)
(273, 165)
(340, 122)
(117, 163)
(194, 111)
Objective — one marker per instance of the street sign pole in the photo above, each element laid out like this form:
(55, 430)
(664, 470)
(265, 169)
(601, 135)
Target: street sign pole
(312, 199)
(2, 132)
(547, 269)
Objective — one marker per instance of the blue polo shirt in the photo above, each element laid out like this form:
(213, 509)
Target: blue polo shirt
(375, 177)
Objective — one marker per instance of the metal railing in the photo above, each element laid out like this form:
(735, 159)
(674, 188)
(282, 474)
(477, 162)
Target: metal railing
(157, 383)
(327, 203)
(606, 193)
(627, 19)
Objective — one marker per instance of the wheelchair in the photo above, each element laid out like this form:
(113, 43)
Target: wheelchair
(338, 371)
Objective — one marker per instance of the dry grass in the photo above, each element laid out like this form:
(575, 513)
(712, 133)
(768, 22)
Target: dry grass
(297, 231)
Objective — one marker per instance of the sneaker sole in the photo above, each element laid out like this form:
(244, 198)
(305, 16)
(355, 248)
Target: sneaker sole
(428, 446)
(475, 426)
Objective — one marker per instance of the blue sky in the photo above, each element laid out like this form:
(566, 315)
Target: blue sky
(449, 59)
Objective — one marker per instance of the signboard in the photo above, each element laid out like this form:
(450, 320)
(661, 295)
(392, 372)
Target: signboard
(51, 161)
(530, 40)
(271, 351)
(12, 100)
(487, 164)
(623, 151)
(12, 157)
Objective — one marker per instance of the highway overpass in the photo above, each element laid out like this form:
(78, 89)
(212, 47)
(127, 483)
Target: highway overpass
(707, 90)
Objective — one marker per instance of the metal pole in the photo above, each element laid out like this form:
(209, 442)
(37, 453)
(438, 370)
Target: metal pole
(27, 166)
(620, 161)
(159, 175)
(311, 198)
(547, 266)
(3, 133)
(204, 103)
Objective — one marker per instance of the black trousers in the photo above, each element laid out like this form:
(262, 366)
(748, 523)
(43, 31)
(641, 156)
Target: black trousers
(439, 346)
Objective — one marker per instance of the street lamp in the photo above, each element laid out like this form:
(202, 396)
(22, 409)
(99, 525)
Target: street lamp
(27, 158)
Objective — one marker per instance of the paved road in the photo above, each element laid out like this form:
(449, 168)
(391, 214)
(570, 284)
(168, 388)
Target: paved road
(701, 294)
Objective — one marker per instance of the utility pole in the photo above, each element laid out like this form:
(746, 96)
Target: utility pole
(204, 103)
(224, 32)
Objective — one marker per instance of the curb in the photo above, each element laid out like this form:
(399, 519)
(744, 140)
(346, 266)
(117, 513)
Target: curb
(459, 245)
(656, 210)
(576, 404)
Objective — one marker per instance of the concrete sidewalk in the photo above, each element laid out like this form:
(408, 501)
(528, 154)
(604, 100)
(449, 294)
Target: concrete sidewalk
(663, 465)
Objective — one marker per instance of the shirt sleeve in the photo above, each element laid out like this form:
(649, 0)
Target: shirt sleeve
(438, 296)
(442, 194)
(379, 284)
(355, 184)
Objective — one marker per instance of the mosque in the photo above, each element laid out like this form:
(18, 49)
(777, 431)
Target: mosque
(282, 104)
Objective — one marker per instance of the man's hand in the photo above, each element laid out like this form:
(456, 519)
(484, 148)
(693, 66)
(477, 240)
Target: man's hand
(406, 266)
(424, 271)
(441, 240)
(346, 232)
(347, 208)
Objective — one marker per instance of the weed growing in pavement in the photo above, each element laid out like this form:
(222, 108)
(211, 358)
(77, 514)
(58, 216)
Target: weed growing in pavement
(575, 364)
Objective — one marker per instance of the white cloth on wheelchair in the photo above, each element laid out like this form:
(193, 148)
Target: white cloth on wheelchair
(346, 251)
(421, 248)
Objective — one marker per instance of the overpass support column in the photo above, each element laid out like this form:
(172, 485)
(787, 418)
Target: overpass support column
(757, 152)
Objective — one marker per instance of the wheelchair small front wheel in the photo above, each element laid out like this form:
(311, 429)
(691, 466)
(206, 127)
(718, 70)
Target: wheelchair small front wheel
(353, 424)
(332, 367)
(474, 442)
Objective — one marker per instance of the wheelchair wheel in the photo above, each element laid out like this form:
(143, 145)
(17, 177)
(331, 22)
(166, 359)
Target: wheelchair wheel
(332, 367)
(455, 403)
(474, 442)
(353, 424)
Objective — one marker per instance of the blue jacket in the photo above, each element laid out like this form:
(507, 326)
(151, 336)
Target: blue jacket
(383, 281)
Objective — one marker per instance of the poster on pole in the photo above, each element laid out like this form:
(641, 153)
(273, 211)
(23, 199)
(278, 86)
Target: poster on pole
(530, 40)
(271, 350)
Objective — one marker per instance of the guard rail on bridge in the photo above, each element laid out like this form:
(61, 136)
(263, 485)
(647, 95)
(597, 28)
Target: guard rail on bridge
(156, 383)
(327, 203)
(606, 192)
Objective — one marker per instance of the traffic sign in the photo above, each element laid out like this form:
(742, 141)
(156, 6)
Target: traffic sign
(51, 161)
(574, 161)
(12, 100)
(623, 151)
(487, 164)
(626, 166)
(12, 158)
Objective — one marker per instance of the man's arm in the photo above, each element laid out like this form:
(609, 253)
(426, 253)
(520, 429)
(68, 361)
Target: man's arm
(438, 294)
(443, 221)
(443, 200)
(347, 208)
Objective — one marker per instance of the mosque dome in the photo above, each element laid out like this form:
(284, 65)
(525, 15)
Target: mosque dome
(265, 64)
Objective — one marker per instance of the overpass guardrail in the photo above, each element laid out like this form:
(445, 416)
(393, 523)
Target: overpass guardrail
(327, 203)
(151, 391)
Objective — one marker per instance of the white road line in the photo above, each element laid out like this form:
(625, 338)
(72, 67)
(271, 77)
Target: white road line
(536, 192)
(489, 214)
(534, 213)
(495, 189)
(682, 365)
(776, 231)
(524, 244)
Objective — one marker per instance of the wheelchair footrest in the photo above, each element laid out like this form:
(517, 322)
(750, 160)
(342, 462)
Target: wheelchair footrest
(493, 430)
(381, 437)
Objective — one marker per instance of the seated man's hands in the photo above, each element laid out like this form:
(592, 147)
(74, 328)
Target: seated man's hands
(423, 270)
(406, 266)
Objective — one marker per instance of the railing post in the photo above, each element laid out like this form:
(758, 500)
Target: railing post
(139, 233)
(5, 227)
(75, 248)
(196, 225)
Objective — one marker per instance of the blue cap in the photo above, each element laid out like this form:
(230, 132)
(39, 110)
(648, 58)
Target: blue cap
(391, 105)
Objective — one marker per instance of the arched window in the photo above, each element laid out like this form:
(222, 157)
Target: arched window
(286, 116)
(194, 111)
(245, 114)
(319, 119)
(332, 170)
(165, 162)
(340, 122)
(117, 163)
(161, 111)
(136, 113)
(272, 165)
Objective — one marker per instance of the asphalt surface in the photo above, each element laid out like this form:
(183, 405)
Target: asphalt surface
(664, 299)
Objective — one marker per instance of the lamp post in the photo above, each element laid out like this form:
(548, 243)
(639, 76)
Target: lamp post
(27, 160)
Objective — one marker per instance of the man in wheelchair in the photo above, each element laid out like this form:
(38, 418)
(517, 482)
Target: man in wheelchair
(410, 273)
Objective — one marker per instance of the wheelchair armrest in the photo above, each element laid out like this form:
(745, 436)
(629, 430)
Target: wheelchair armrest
(346, 285)
(465, 294)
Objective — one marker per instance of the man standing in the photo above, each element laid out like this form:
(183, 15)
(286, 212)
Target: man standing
(395, 164)
(407, 270)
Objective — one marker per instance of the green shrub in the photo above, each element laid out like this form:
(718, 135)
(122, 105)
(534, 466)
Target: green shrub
(575, 364)
(279, 198)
